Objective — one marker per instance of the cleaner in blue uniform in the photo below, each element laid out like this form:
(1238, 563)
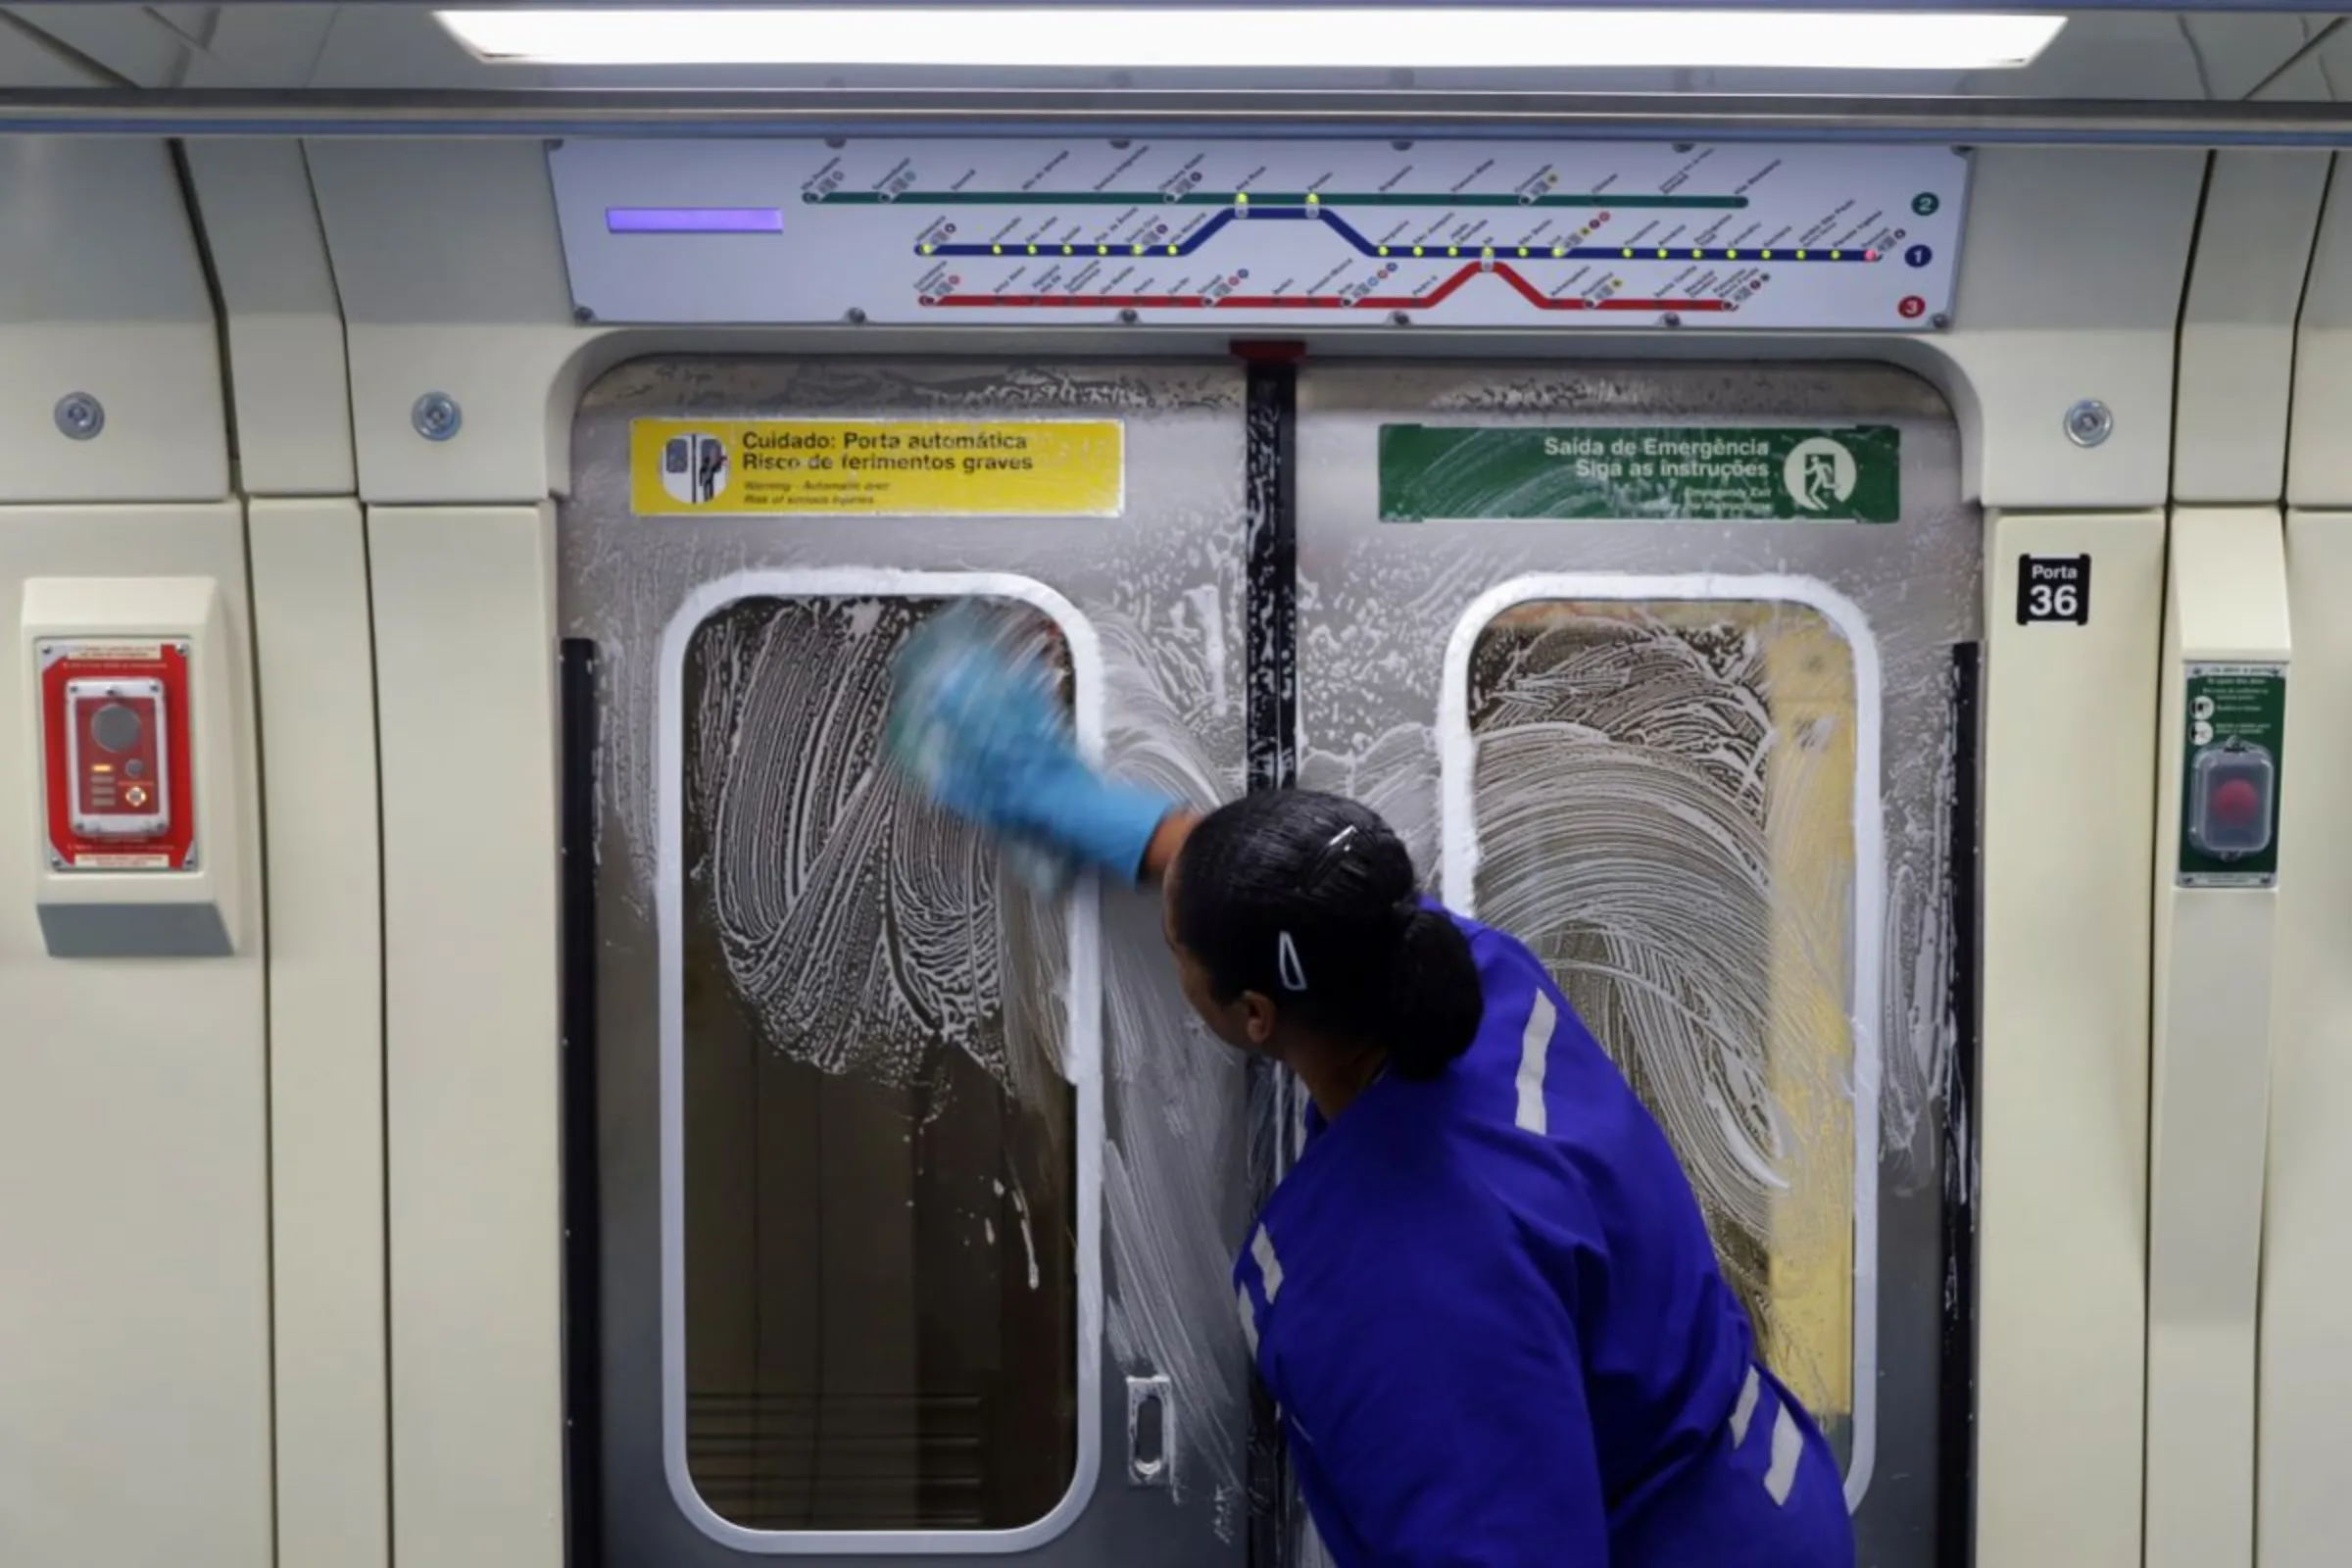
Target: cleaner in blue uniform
(1484, 1298)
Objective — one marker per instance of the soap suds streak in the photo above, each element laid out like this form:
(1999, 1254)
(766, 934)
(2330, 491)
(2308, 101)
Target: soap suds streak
(1922, 950)
(1620, 810)
(1020, 1206)
(861, 927)
(1176, 1142)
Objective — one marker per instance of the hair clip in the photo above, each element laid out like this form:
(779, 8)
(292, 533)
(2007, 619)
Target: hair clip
(1285, 961)
(1327, 858)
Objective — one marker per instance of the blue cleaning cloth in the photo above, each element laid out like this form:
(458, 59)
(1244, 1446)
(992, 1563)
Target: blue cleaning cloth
(978, 728)
(1490, 1315)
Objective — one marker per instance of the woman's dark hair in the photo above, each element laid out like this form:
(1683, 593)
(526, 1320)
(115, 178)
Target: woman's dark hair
(1310, 899)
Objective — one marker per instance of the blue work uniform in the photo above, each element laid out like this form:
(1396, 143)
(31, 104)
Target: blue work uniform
(1490, 1315)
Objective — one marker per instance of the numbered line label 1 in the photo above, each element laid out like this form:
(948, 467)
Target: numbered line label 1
(2054, 589)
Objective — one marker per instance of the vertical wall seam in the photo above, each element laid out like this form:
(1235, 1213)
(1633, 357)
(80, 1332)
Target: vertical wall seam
(224, 358)
(2294, 338)
(193, 208)
(383, 912)
(2157, 763)
(2188, 286)
(384, 1023)
(2153, 893)
(2286, 457)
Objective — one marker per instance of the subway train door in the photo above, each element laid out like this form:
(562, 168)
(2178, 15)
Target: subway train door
(1669, 672)
(901, 1197)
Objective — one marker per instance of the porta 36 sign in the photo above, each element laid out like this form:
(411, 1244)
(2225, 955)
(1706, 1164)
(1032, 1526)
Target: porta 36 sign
(2053, 588)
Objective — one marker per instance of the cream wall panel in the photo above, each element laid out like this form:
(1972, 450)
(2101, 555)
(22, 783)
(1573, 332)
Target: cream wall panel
(2305, 1377)
(285, 325)
(316, 678)
(2070, 278)
(466, 670)
(102, 292)
(134, 1320)
(2063, 1087)
(453, 281)
(2237, 329)
(2319, 460)
(2209, 1099)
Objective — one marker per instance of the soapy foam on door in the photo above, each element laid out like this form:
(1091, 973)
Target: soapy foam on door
(862, 928)
(866, 932)
(1633, 828)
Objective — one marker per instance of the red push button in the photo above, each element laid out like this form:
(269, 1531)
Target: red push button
(2236, 802)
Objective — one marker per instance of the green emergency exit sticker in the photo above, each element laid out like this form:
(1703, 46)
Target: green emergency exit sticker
(1695, 474)
(2232, 747)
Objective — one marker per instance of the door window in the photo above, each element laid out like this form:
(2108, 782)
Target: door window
(880, 1247)
(1660, 798)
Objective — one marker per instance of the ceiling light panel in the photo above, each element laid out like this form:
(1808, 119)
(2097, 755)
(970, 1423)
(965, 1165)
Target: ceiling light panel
(1233, 39)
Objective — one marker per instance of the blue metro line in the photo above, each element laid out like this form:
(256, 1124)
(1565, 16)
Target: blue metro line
(1348, 232)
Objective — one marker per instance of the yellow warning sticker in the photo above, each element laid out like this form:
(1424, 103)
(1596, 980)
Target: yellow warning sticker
(888, 467)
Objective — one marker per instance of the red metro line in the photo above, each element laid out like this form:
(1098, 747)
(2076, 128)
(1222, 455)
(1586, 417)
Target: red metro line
(1326, 302)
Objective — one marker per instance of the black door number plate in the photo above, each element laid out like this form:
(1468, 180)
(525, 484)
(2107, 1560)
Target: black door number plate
(2053, 588)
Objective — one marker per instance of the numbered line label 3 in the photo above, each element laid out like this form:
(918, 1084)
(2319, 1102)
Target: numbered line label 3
(2054, 589)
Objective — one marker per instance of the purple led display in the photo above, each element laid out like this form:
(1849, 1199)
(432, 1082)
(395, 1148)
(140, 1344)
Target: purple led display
(693, 220)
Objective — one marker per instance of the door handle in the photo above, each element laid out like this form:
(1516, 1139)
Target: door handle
(1150, 1432)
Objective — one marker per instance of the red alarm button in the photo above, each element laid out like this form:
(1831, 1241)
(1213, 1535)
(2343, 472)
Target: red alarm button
(2236, 801)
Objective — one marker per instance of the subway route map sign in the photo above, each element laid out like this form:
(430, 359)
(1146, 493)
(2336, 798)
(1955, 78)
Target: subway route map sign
(1286, 235)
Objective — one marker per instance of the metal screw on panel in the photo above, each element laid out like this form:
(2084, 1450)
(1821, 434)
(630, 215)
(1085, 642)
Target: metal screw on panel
(837, 143)
(1939, 320)
(1402, 146)
(80, 415)
(1400, 318)
(582, 315)
(1129, 317)
(1119, 144)
(856, 316)
(437, 416)
(1671, 319)
(2089, 423)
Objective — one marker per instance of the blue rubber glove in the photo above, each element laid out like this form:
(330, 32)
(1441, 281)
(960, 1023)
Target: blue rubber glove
(980, 732)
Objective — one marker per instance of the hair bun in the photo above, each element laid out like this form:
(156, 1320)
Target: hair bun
(1434, 992)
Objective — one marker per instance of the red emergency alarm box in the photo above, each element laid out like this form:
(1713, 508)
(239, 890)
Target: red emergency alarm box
(115, 732)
